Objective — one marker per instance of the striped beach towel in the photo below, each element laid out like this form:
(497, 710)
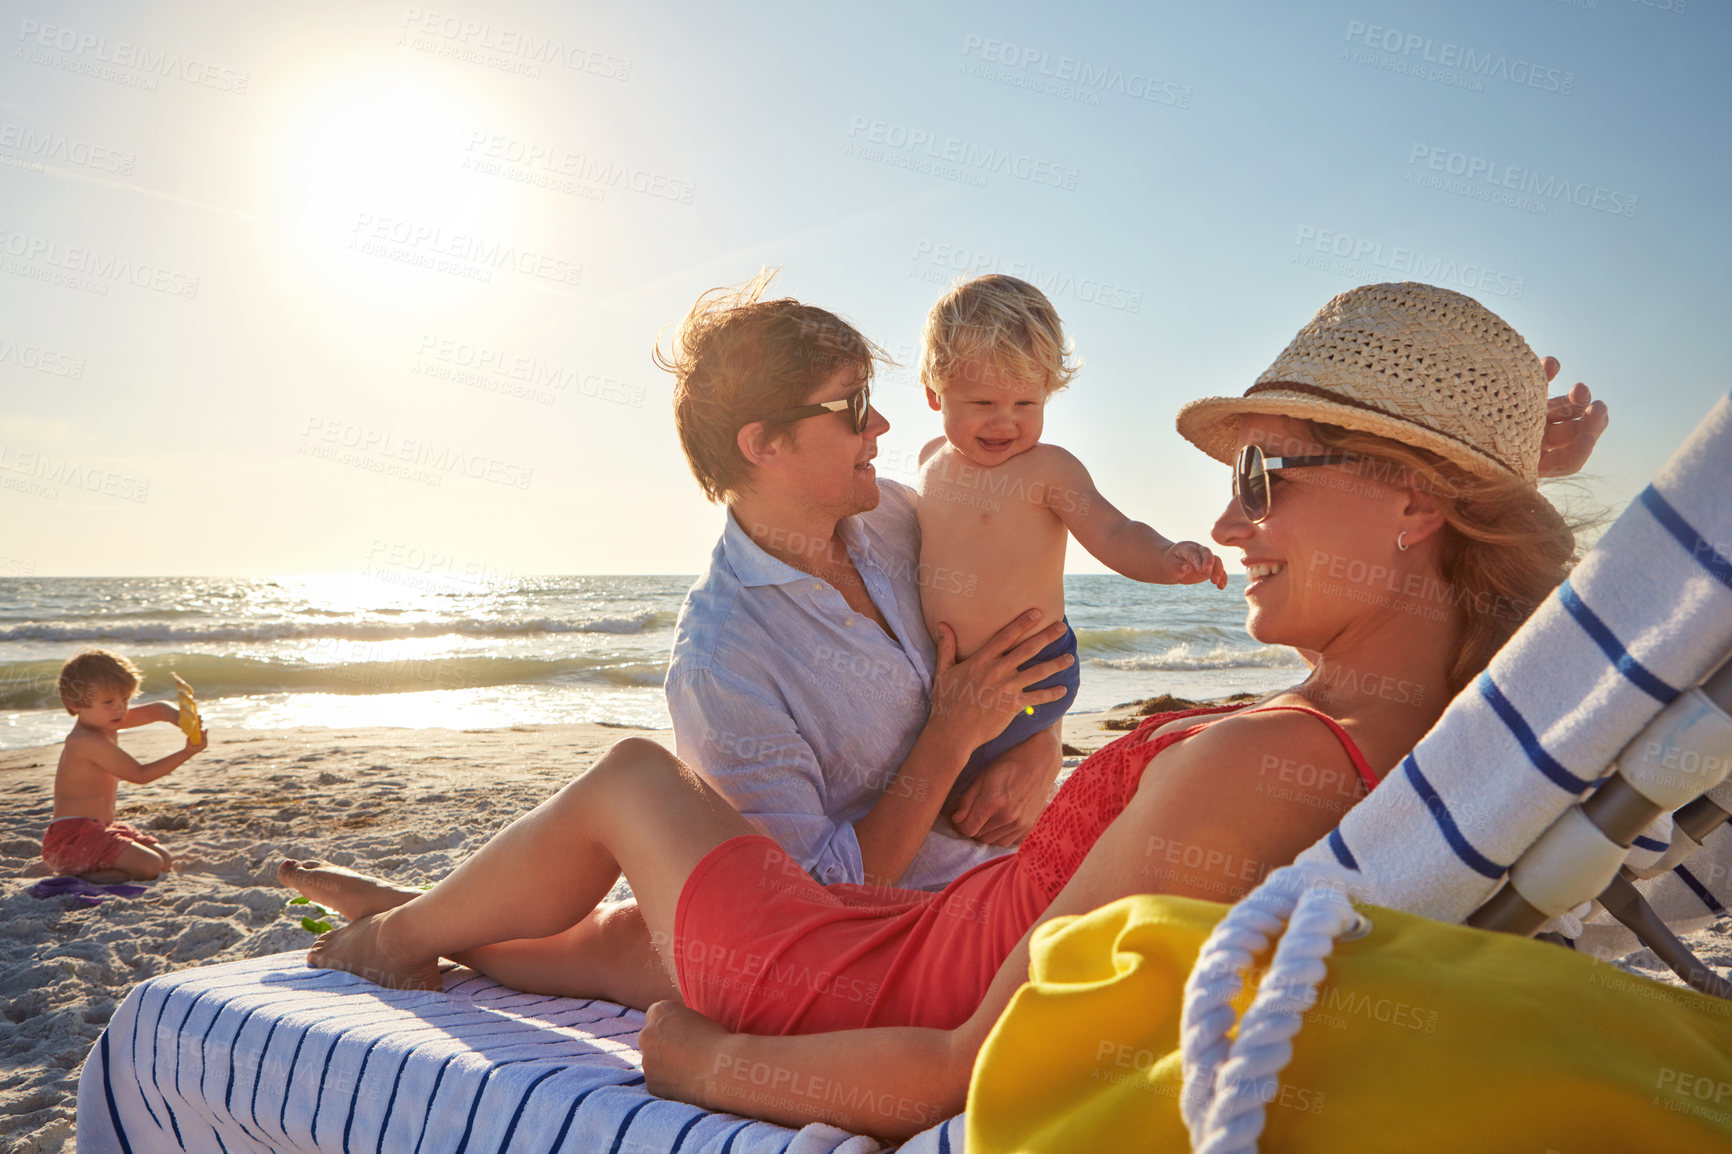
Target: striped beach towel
(268, 1055)
(1646, 614)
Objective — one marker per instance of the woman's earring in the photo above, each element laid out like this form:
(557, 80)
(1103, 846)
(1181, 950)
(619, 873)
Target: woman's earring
(1401, 540)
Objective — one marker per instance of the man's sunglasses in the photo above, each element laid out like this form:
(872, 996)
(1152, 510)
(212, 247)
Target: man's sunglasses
(1251, 477)
(855, 404)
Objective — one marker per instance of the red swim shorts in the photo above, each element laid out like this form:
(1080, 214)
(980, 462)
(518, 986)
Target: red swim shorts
(81, 845)
(762, 948)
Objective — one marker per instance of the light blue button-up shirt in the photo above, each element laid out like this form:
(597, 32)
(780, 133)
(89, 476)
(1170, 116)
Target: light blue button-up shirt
(800, 710)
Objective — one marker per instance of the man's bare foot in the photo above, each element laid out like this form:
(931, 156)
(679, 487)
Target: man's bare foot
(351, 894)
(363, 948)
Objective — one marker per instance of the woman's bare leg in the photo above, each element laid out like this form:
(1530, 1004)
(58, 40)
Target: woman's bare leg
(608, 954)
(638, 810)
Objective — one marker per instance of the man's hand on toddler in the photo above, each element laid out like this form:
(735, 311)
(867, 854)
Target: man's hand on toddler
(1001, 805)
(1193, 563)
(977, 696)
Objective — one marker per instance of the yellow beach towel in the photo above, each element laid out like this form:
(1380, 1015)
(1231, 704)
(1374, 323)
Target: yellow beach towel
(1425, 1037)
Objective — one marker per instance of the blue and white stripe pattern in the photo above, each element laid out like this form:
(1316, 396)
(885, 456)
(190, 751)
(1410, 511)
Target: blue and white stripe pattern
(268, 1055)
(1647, 614)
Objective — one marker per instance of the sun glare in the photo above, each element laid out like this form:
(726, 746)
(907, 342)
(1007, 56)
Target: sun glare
(345, 592)
(381, 144)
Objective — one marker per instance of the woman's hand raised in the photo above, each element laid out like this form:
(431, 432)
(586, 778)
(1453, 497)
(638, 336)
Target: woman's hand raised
(1574, 422)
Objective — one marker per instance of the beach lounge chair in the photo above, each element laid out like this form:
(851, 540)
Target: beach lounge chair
(268, 1055)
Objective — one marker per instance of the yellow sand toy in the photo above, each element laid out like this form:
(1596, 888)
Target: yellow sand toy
(188, 711)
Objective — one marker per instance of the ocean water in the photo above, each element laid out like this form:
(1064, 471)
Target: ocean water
(426, 648)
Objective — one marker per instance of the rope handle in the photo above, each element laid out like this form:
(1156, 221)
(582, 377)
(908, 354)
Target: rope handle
(1226, 1086)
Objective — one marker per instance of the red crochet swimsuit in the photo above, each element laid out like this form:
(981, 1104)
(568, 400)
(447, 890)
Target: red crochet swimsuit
(762, 948)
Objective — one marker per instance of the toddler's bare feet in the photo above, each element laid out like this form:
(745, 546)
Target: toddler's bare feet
(351, 894)
(363, 948)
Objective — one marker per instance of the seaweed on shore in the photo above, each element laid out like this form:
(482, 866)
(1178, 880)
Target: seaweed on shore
(1167, 703)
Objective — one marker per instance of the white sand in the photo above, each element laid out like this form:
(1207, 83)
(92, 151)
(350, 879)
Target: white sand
(405, 803)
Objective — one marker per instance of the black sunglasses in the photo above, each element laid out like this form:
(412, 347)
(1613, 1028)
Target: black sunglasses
(1251, 477)
(855, 404)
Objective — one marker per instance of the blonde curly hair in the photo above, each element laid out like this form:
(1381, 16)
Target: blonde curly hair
(998, 322)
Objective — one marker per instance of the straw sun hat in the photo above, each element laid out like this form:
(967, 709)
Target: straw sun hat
(1412, 362)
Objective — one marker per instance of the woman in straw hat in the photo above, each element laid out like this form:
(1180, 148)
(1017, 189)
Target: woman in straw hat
(1386, 508)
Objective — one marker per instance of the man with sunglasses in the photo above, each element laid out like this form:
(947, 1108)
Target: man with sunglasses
(803, 683)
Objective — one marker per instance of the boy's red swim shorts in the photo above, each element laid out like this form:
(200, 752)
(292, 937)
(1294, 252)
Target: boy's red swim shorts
(81, 845)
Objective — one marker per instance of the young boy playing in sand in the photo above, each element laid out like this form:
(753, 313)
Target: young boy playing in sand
(97, 687)
(997, 504)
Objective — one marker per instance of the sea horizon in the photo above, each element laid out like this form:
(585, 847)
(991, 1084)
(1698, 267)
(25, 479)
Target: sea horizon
(412, 647)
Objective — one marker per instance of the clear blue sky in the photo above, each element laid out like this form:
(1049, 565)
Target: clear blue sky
(276, 287)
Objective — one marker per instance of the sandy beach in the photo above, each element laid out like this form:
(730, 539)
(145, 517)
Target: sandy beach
(408, 803)
(405, 802)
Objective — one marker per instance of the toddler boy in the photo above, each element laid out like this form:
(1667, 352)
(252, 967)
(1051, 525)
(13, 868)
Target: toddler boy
(97, 687)
(998, 504)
